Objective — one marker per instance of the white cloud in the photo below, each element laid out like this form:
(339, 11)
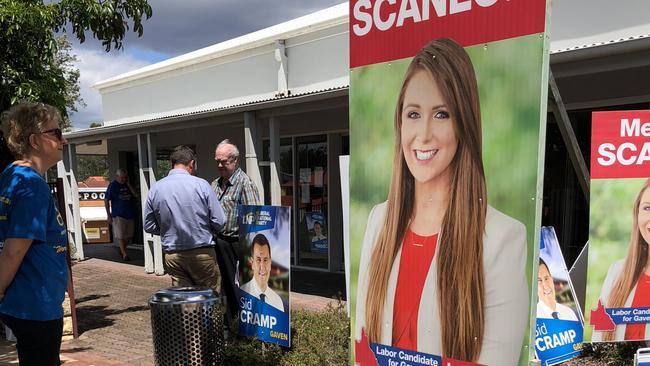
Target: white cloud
(178, 27)
(95, 66)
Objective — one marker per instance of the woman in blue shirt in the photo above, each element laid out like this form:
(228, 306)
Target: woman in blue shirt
(33, 238)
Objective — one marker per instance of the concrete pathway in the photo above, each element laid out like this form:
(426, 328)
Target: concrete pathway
(114, 321)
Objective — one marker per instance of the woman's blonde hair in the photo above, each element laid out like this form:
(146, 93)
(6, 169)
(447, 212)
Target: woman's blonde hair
(24, 119)
(460, 259)
(635, 261)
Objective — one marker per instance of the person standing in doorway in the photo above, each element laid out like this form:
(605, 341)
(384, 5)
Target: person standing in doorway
(233, 187)
(185, 212)
(120, 209)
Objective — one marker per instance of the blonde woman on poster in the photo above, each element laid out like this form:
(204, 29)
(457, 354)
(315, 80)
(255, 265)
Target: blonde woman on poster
(441, 271)
(627, 284)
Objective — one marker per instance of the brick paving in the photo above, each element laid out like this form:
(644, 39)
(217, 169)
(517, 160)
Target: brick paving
(113, 315)
(114, 323)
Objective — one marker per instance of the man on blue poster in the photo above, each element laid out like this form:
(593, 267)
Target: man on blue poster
(260, 261)
(558, 330)
(548, 307)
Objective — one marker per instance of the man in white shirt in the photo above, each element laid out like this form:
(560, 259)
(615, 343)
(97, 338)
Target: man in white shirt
(547, 306)
(260, 260)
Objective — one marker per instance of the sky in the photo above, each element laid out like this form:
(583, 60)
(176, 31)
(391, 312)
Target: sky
(181, 26)
(177, 27)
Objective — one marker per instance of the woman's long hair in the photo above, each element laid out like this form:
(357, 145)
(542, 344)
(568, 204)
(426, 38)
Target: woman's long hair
(635, 261)
(460, 257)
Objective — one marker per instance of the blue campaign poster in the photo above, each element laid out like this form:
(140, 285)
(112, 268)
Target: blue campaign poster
(264, 273)
(317, 228)
(559, 326)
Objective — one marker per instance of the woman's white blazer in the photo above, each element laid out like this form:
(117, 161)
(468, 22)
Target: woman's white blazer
(506, 291)
(612, 275)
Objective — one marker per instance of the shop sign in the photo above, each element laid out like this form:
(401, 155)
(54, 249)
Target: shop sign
(95, 195)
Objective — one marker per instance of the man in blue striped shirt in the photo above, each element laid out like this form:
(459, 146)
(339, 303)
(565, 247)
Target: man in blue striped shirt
(185, 212)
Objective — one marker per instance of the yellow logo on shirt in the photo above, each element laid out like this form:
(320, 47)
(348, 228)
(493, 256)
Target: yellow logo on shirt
(59, 219)
(5, 200)
(3, 218)
(60, 249)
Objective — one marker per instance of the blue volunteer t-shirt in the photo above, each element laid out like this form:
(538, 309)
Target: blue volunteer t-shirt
(27, 211)
(122, 200)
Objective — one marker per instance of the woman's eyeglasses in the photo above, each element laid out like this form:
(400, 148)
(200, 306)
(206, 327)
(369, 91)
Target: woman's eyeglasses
(56, 132)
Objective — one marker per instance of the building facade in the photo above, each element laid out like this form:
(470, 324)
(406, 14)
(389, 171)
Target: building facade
(281, 95)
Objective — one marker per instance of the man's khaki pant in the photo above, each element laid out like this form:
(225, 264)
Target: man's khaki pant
(194, 267)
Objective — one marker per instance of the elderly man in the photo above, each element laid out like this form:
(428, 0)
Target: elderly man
(233, 187)
(120, 209)
(185, 212)
(261, 261)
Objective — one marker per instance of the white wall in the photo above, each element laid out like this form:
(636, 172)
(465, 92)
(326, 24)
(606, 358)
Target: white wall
(316, 61)
(218, 80)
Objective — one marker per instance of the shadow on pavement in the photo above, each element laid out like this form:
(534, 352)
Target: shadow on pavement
(80, 300)
(93, 317)
(75, 349)
(110, 252)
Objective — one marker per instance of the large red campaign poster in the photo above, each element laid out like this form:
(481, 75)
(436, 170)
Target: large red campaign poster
(447, 116)
(619, 228)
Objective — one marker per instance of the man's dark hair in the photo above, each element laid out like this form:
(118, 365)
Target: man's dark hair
(260, 240)
(182, 155)
(542, 263)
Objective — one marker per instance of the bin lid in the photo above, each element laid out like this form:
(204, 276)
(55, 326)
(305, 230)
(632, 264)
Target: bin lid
(187, 294)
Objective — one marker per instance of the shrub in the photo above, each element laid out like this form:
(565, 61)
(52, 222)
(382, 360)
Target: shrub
(318, 338)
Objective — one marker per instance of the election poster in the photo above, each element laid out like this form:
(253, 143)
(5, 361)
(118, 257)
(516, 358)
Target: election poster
(618, 285)
(558, 331)
(447, 128)
(264, 273)
(317, 231)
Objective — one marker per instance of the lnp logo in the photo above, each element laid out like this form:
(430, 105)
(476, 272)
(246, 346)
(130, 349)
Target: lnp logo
(248, 219)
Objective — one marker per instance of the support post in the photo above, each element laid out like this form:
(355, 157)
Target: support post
(334, 200)
(66, 170)
(569, 137)
(283, 70)
(253, 145)
(274, 154)
(153, 257)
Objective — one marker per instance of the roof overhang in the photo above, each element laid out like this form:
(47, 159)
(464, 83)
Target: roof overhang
(276, 107)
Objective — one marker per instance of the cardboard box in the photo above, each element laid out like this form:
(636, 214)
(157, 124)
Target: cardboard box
(96, 232)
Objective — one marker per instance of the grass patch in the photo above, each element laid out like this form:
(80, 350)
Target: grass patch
(318, 338)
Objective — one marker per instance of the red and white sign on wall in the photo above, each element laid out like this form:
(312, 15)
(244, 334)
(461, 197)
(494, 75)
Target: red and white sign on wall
(620, 144)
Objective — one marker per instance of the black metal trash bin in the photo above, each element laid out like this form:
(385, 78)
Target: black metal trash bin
(187, 326)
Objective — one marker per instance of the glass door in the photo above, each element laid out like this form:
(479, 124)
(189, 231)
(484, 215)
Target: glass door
(311, 201)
